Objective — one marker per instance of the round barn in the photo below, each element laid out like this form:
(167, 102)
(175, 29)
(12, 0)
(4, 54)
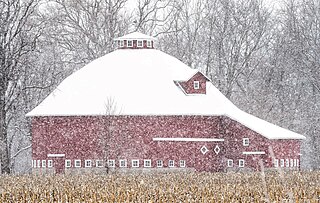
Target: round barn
(139, 109)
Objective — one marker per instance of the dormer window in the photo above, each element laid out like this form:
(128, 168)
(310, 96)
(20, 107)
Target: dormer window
(196, 85)
(129, 43)
(149, 44)
(121, 44)
(139, 43)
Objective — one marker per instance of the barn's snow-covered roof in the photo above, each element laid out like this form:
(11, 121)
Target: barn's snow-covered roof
(141, 82)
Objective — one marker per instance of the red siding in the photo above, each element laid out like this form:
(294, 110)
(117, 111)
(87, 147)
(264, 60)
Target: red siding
(188, 85)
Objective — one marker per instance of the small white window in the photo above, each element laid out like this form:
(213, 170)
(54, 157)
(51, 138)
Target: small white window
(87, 163)
(139, 43)
(147, 163)
(68, 163)
(281, 162)
(204, 150)
(111, 163)
(287, 163)
(159, 163)
(50, 164)
(291, 163)
(149, 44)
(295, 162)
(123, 163)
(135, 163)
(43, 163)
(241, 162)
(77, 163)
(171, 163)
(230, 163)
(196, 85)
(34, 163)
(276, 163)
(99, 163)
(129, 43)
(246, 142)
(182, 163)
(121, 44)
(38, 163)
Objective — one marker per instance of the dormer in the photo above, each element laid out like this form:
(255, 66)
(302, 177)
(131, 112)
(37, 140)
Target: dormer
(135, 40)
(197, 84)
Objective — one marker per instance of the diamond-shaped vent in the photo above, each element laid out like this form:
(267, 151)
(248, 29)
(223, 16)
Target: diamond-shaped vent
(216, 149)
(204, 149)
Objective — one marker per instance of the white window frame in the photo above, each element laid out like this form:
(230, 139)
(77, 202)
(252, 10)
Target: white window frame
(246, 141)
(159, 163)
(67, 163)
(141, 41)
(99, 163)
(276, 163)
(121, 43)
(196, 85)
(123, 163)
(135, 163)
(204, 150)
(230, 163)
(281, 163)
(171, 163)
(112, 163)
(38, 163)
(295, 163)
(88, 163)
(291, 163)
(34, 165)
(128, 43)
(43, 163)
(147, 163)
(50, 163)
(149, 43)
(298, 163)
(182, 163)
(241, 163)
(77, 163)
(287, 163)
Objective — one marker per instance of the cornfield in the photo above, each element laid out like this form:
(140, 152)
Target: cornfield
(163, 187)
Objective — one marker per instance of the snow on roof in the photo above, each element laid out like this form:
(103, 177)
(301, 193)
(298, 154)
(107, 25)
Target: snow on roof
(135, 35)
(141, 82)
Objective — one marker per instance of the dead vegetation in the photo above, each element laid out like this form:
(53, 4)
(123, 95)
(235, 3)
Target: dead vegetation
(169, 187)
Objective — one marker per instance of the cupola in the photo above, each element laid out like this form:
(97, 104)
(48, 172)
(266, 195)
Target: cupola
(135, 40)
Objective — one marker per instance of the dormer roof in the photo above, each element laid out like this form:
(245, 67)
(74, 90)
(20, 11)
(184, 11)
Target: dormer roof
(135, 35)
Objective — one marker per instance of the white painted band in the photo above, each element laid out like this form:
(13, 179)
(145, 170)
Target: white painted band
(253, 153)
(186, 139)
(56, 155)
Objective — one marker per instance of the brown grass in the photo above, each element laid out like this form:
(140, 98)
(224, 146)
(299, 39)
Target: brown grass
(170, 187)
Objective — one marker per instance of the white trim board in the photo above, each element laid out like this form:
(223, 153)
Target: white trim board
(56, 155)
(187, 139)
(254, 153)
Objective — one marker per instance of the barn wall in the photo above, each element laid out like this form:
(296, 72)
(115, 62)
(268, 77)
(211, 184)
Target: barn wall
(188, 85)
(131, 137)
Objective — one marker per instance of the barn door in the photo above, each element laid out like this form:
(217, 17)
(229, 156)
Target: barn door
(58, 162)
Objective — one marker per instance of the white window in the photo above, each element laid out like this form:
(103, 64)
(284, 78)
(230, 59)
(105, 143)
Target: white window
(87, 163)
(295, 162)
(204, 150)
(281, 162)
(34, 164)
(123, 163)
(50, 164)
(291, 162)
(129, 43)
(121, 44)
(182, 163)
(276, 163)
(68, 163)
(38, 163)
(159, 163)
(147, 163)
(43, 163)
(196, 85)
(139, 43)
(149, 44)
(230, 163)
(135, 163)
(111, 163)
(77, 163)
(241, 162)
(99, 163)
(171, 163)
(246, 141)
(287, 163)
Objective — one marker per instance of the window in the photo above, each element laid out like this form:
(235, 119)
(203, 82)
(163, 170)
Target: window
(287, 163)
(216, 149)
(99, 163)
(87, 163)
(171, 163)
(68, 163)
(43, 164)
(204, 149)
(230, 163)
(111, 163)
(196, 85)
(182, 163)
(295, 162)
(135, 163)
(38, 163)
(139, 43)
(123, 163)
(159, 163)
(77, 163)
(50, 164)
(241, 162)
(291, 162)
(149, 44)
(276, 163)
(246, 141)
(129, 43)
(34, 164)
(281, 162)
(147, 163)
(121, 44)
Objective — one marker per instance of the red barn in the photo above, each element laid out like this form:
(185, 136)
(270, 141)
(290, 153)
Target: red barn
(139, 109)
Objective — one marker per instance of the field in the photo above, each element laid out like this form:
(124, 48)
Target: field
(169, 187)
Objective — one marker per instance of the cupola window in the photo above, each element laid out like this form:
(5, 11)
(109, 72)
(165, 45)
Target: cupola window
(121, 44)
(149, 43)
(129, 43)
(139, 43)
